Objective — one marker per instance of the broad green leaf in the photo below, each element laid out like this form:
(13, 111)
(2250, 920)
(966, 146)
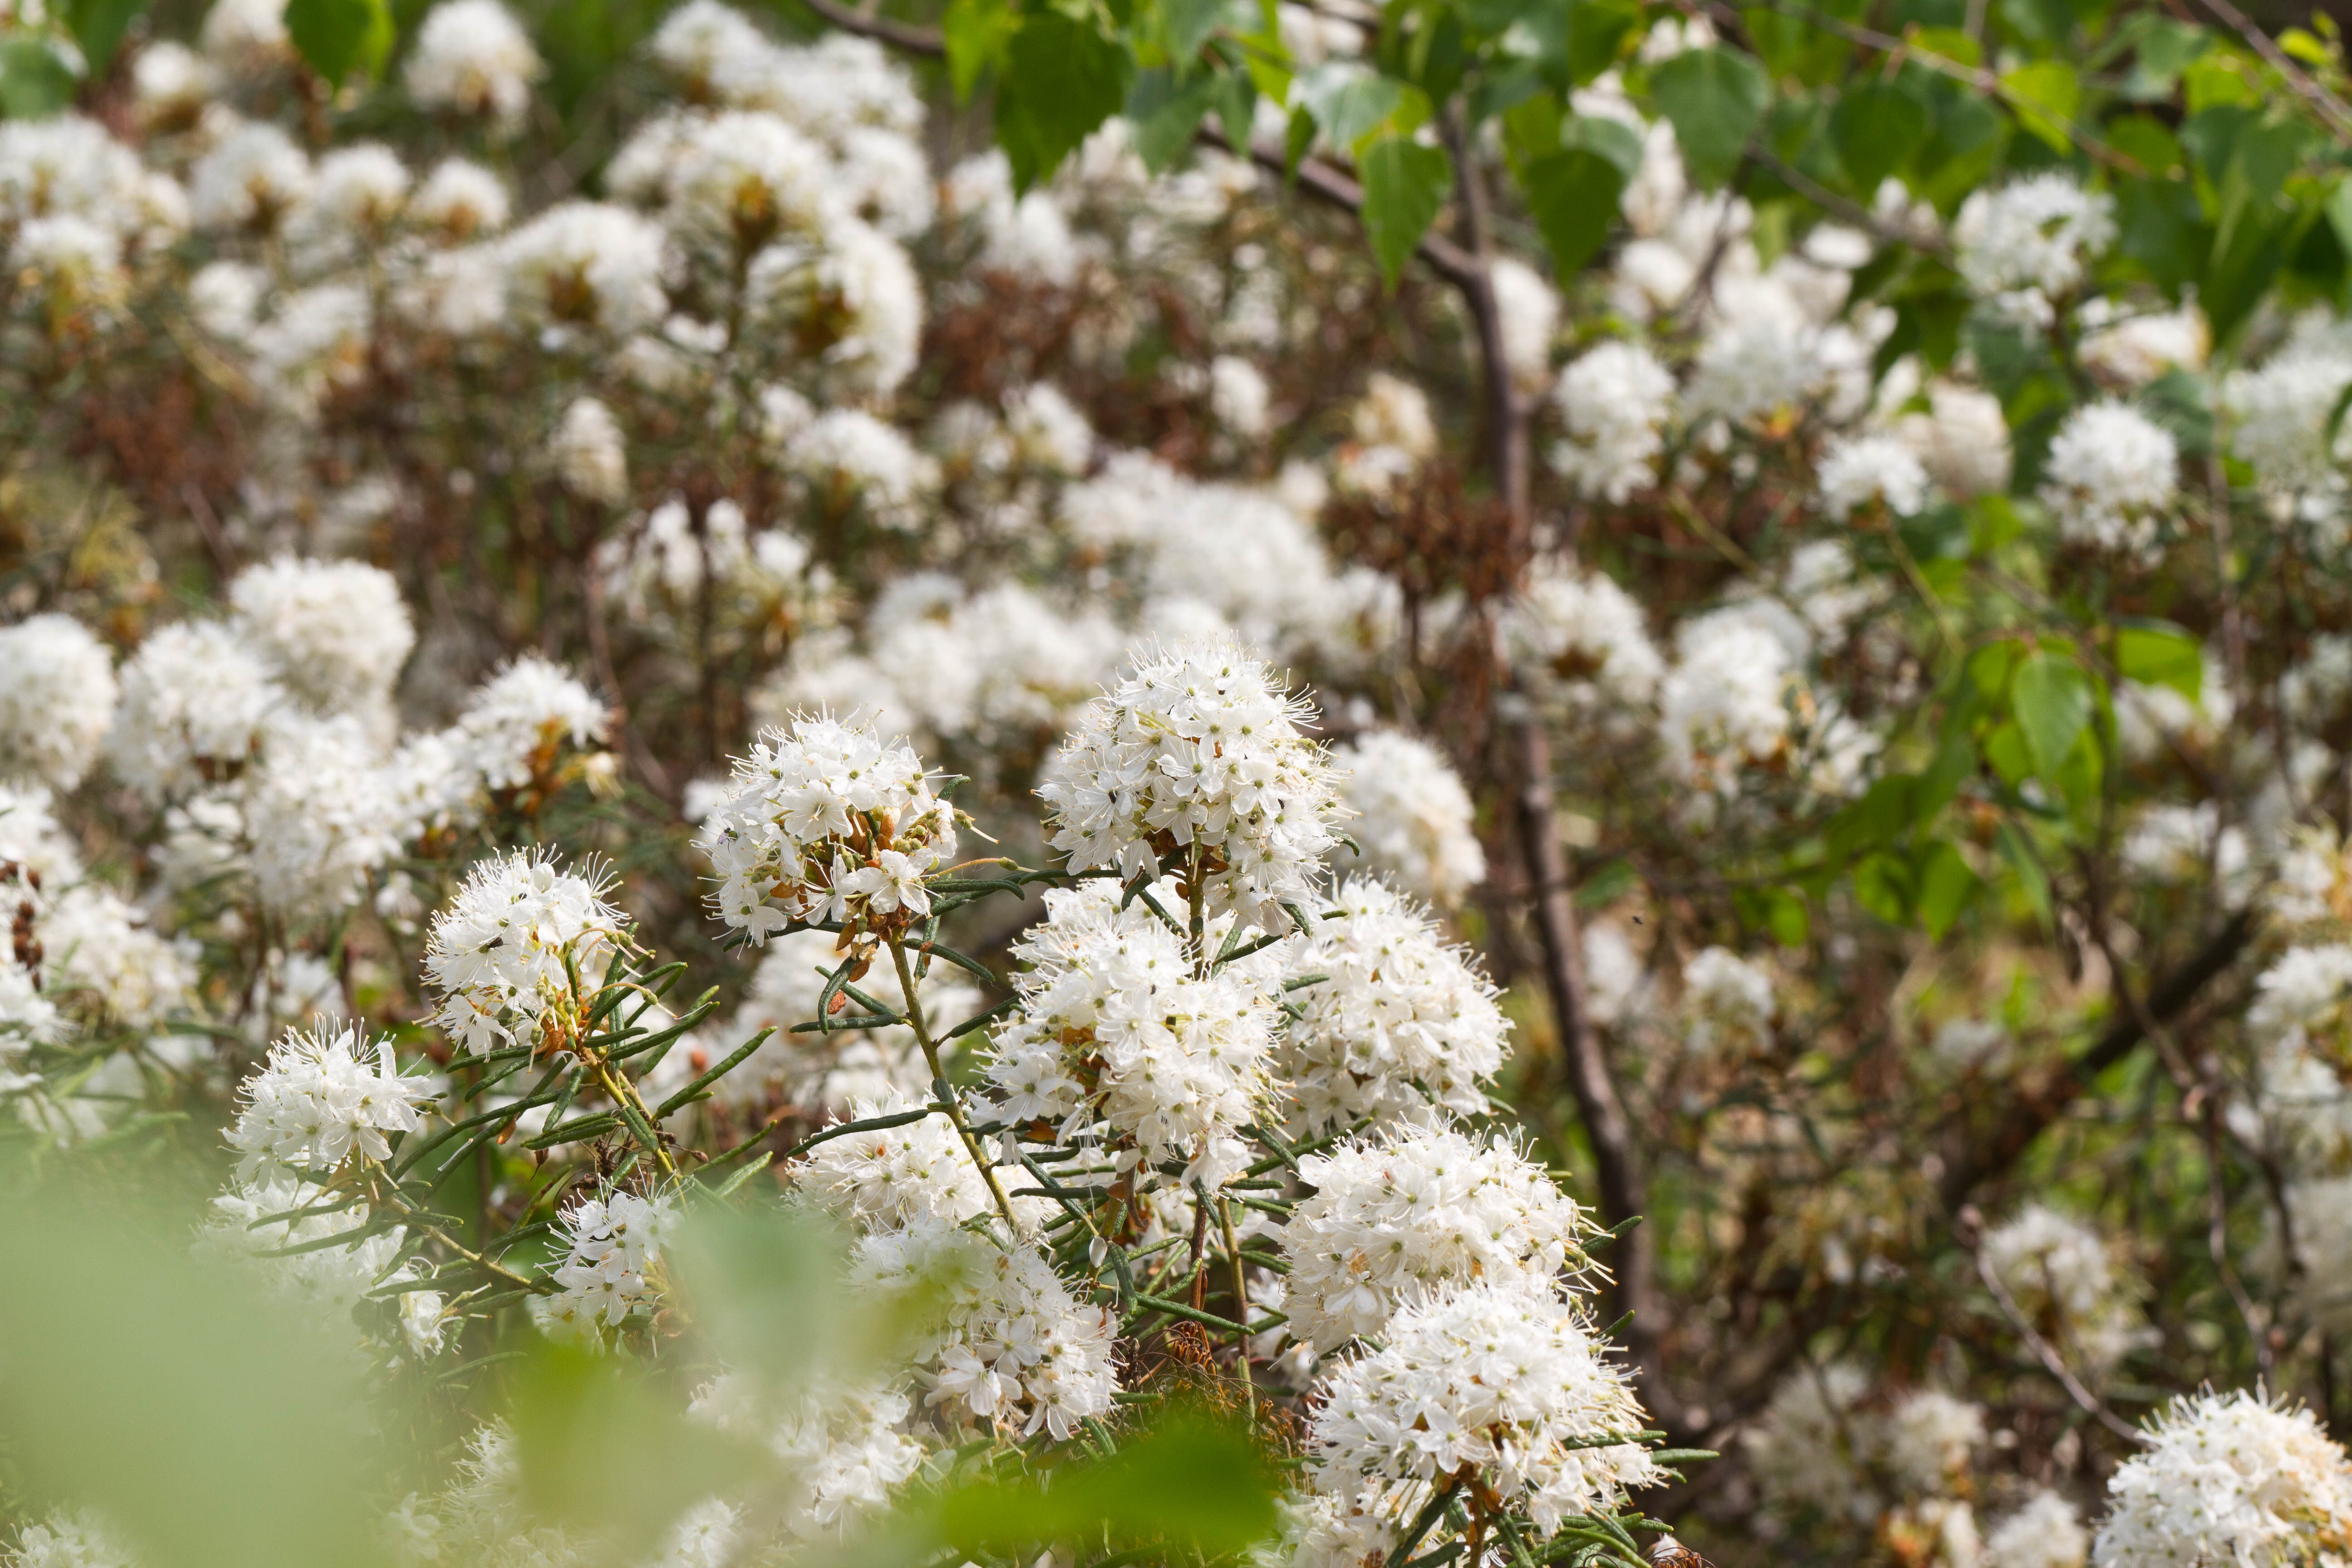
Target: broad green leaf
(1204, 1486)
(607, 1451)
(975, 32)
(1716, 98)
(1944, 886)
(1877, 127)
(1060, 79)
(1597, 30)
(2143, 139)
(1164, 113)
(1613, 138)
(2155, 653)
(1776, 911)
(213, 1422)
(34, 83)
(1878, 817)
(2005, 749)
(2164, 51)
(1348, 100)
(1188, 24)
(2046, 96)
(98, 25)
(2051, 698)
(336, 37)
(1573, 196)
(1404, 185)
(1882, 884)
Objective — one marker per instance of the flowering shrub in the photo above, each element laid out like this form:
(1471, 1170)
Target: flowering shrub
(1375, 785)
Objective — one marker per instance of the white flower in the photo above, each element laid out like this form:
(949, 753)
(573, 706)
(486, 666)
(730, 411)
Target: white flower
(517, 721)
(1725, 703)
(1854, 471)
(1731, 1003)
(2129, 348)
(253, 175)
(897, 1176)
(2031, 243)
(1929, 1436)
(328, 1279)
(1194, 761)
(828, 1071)
(846, 456)
(2278, 414)
(1414, 820)
(194, 700)
(356, 193)
(614, 1244)
(56, 701)
(1002, 1338)
(2047, 1533)
(1961, 440)
(590, 456)
(319, 1100)
(808, 820)
(2227, 1478)
(462, 199)
(851, 302)
(1810, 1450)
(1507, 1381)
(104, 961)
(738, 180)
(1046, 428)
(505, 952)
(587, 265)
(319, 812)
(74, 1540)
(1238, 395)
(1414, 1208)
(1394, 414)
(1615, 400)
(1400, 1021)
(471, 57)
(2061, 1275)
(1582, 636)
(335, 632)
(1528, 314)
(2111, 475)
(1116, 1034)
(245, 35)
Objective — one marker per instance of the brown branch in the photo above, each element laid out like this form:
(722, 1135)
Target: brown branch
(1334, 186)
(904, 36)
(2091, 1404)
(2326, 104)
(1984, 1157)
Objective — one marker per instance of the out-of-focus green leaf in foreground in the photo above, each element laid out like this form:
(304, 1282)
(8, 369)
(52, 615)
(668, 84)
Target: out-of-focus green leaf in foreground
(216, 1428)
(1190, 1482)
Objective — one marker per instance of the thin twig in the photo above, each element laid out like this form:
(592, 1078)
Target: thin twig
(2047, 1353)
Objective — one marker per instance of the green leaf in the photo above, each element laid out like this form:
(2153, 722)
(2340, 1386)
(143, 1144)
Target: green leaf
(1597, 30)
(1062, 79)
(99, 26)
(336, 37)
(34, 83)
(976, 32)
(2051, 696)
(2145, 141)
(1573, 196)
(1613, 138)
(2155, 654)
(2030, 878)
(1202, 1485)
(1778, 911)
(2045, 95)
(1882, 884)
(1164, 114)
(1945, 886)
(1876, 127)
(1188, 24)
(2164, 49)
(1404, 185)
(1716, 99)
(604, 1450)
(1349, 101)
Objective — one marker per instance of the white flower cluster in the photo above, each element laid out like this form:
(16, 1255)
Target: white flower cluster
(520, 952)
(894, 1177)
(332, 1279)
(2028, 245)
(1823, 1446)
(1414, 820)
(2110, 478)
(1582, 636)
(1118, 1038)
(1195, 762)
(832, 823)
(322, 1099)
(1614, 402)
(612, 1265)
(2062, 1277)
(845, 1448)
(1005, 1341)
(1414, 1209)
(56, 703)
(1730, 1003)
(1390, 1019)
(2227, 1478)
(1856, 472)
(1509, 1384)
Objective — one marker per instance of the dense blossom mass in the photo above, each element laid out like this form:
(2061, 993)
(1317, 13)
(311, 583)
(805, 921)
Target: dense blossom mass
(806, 799)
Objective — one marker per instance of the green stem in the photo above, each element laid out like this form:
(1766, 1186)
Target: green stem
(948, 1099)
